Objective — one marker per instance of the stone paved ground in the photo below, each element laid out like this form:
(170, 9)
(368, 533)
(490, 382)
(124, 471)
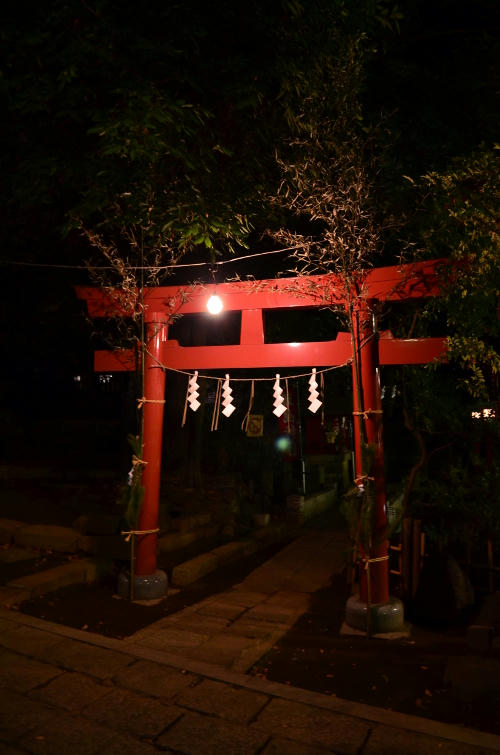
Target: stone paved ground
(177, 685)
(235, 628)
(65, 691)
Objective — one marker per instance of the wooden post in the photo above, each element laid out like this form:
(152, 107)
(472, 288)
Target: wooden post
(154, 389)
(366, 344)
(406, 555)
(415, 556)
(399, 571)
(422, 552)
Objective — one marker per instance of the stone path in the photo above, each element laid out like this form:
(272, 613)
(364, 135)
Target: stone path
(177, 686)
(64, 691)
(235, 628)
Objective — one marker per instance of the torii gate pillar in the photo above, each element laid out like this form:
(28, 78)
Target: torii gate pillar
(368, 409)
(150, 583)
(386, 612)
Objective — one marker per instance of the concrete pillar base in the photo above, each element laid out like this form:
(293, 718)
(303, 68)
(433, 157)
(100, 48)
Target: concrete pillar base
(385, 617)
(146, 586)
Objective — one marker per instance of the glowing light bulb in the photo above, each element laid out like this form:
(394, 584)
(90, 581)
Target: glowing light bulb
(214, 304)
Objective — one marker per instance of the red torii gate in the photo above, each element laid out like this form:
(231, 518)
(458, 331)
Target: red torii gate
(370, 349)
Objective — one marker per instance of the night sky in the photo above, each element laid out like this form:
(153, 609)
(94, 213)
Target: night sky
(202, 91)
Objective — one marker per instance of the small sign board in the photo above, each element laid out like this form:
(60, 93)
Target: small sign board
(255, 426)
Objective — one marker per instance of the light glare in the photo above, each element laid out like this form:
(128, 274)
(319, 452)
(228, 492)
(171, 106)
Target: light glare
(283, 443)
(214, 304)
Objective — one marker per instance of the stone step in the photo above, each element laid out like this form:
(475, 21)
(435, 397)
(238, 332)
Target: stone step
(8, 528)
(191, 522)
(15, 555)
(174, 541)
(114, 547)
(47, 537)
(195, 568)
(79, 571)
(71, 540)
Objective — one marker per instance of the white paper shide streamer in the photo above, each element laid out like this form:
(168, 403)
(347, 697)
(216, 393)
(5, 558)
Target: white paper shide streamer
(193, 393)
(314, 402)
(279, 403)
(227, 399)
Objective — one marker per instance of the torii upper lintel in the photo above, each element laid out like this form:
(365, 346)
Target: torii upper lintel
(393, 283)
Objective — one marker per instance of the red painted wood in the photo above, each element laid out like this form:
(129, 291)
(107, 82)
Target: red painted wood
(410, 350)
(385, 283)
(371, 405)
(252, 327)
(154, 389)
(252, 355)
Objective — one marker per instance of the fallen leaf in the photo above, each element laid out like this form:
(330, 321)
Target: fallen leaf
(424, 668)
(85, 626)
(373, 687)
(385, 678)
(418, 702)
(330, 676)
(428, 693)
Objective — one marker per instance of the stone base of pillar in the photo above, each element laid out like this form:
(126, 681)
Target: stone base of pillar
(146, 586)
(385, 618)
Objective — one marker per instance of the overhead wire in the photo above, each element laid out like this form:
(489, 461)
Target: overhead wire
(151, 267)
